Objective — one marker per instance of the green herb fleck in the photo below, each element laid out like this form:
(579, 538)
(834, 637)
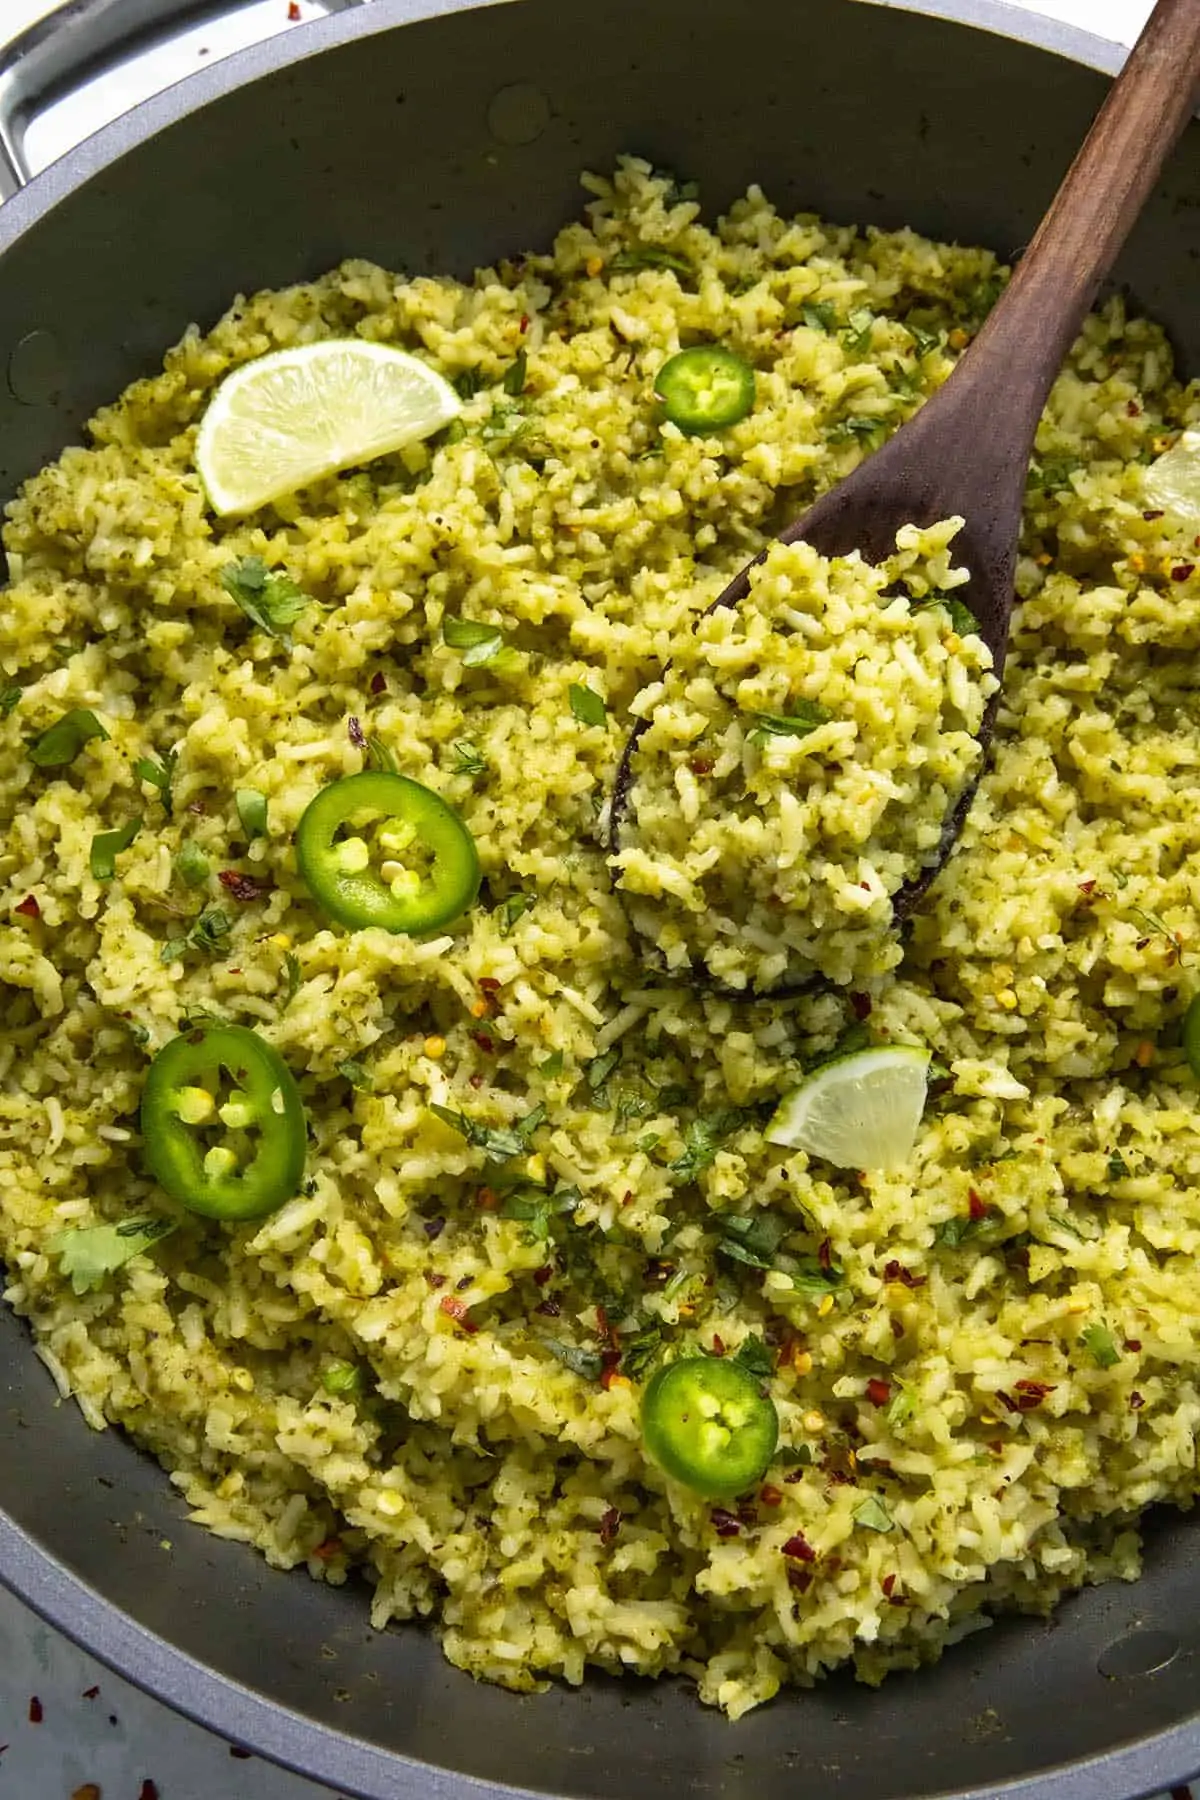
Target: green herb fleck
(1098, 1340)
(357, 1074)
(159, 775)
(807, 716)
(924, 341)
(552, 1066)
(598, 1071)
(901, 1408)
(587, 1363)
(61, 742)
(702, 1139)
(467, 383)
(88, 1253)
(515, 374)
(752, 1238)
(512, 909)
(10, 699)
(269, 598)
(341, 1378)
(798, 1456)
(537, 1208)
(648, 256)
(252, 812)
(588, 707)
(108, 845)
(757, 1356)
(206, 933)
(857, 428)
(479, 643)
(873, 1515)
(467, 759)
(500, 1143)
(291, 965)
(1118, 1168)
(640, 1353)
(857, 334)
(819, 315)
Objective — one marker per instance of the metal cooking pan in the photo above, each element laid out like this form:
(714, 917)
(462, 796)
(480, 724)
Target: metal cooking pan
(431, 135)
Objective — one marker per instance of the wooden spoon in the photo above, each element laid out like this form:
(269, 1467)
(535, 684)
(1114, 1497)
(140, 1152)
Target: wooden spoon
(967, 450)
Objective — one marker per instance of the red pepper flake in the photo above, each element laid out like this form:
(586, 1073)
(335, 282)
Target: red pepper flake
(358, 736)
(800, 1579)
(861, 1005)
(895, 1271)
(1134, 1344)
(888, 1584)
(328, 1550)
(487, 1199)
(549, 1308)
(524, 326)
(1136, 1402)
(28, 907)
(610, 1368)
(825, 1254)
(149, 1790)
(294, 13)
(1132, 409)
(475, 1081)
(90, 1693)
(1181, 571)
(1007, 1401)
(1032, 1393)
(771, 1496)
(36, 1711)
(434, 1279)
(434, 1228)
(627, 1197)
(489, 985)
(610, 1524)
(1154, 513)
(897, 1327)
(799, 1548)
(718, 1345)
(879, 1392)
(456, 1309)
(543, 1275)
(700, 765)
(976, 1205)
(379, 682)
(484, 1042)
(725, 1523)
(1087, 887)
(241, 887)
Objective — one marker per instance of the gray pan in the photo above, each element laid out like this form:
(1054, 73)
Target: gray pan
(434, 136)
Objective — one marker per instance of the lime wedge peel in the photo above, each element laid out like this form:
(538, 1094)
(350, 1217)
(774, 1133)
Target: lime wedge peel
(301, 414)
(861, 1111)
(1172, 481)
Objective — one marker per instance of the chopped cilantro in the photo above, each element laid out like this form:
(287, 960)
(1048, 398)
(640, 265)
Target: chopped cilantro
(857, 427)
(702, 1139)
(512, 909)
(357, 1074)
(515, 374)
(757, 1356)
(467, 759)
(269, 598)
(587, 1363)
(252, 812)
(341, 1378)
(1118, 1168)
(1098, 1340)
(479, 643)
(498, 1142)
(648, 256)
(158, 775)
(752, 1238)
(10, 699)
(857, 334)
(641, 1352)
(291, 964)
(108, 845)
(206, 933)
(587, 707)
(873, 1515)
(807, 716)
(88, 1253)
(552, 1066)
(191, 864)
(819, 315)
(61, 742)
(536, 1208)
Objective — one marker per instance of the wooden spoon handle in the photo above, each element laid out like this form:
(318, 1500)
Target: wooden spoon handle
(1032, 327)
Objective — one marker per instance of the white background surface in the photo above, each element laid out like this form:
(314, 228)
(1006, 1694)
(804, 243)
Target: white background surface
(118, 1738)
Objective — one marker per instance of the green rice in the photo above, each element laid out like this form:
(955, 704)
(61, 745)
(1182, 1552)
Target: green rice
(985, 1364)
(801, 756)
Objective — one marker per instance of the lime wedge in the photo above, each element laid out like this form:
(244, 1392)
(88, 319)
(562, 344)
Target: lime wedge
(297, 415)
(858, 1112)
(1172, 481)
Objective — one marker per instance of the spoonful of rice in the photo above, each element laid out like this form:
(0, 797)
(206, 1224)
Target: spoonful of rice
(799, 774)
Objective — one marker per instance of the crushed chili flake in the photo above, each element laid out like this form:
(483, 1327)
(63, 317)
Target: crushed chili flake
(434, 1279)
(1132, 409)
(799, 1548)
(28, 907)
(489, 985)
(770, 1496)
(888, 1584)
(483, 1042)
(897, 1327)
(627, 1197)
(328, 1550)
(543, 1275)
(358, 736)
(434, 1229)
(475, 1081)
(878, 1392)
(795, 1476)
(700, 765)
(1154, 513)
(1134, 1344)
(1087, 887)
(524, 324)
(241, 887)
(861, 1005)
(149, 1790)
(610, 1524)
(378, 682)
(457, 1310)
(36, 1710)
(895, 1271)
(825, 1254)
(549, 1308)
(1034, 1391)
(800, 1579)
(976, 1205)
(1181, 571)
(718, 1345)
(1007, 1401)
(724, 1523)
(1136, 1402)
(90, 1693)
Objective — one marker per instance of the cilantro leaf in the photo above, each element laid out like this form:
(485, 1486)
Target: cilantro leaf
(467, 759)
(501, 1143)
(158, 775)
(291, 964)
(1098, 1340)
(873, 1515)
(479, 643)
(108, 845)
(756, 1356)
(269, 598)
(205, 933)
(857, 426)
(857, 334)
(512, 909)
(10, 699)
(641, 1352)
(587, 707)
(702, 1139)
(251, 812)
(514, 376)
(537, 1208)
(753, 1238)
(819, 315)
(191, 864)
(587, 1363)
(357, 1074)
(61, 742)
(807, 716)
(88, 1253)
(648, 256)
